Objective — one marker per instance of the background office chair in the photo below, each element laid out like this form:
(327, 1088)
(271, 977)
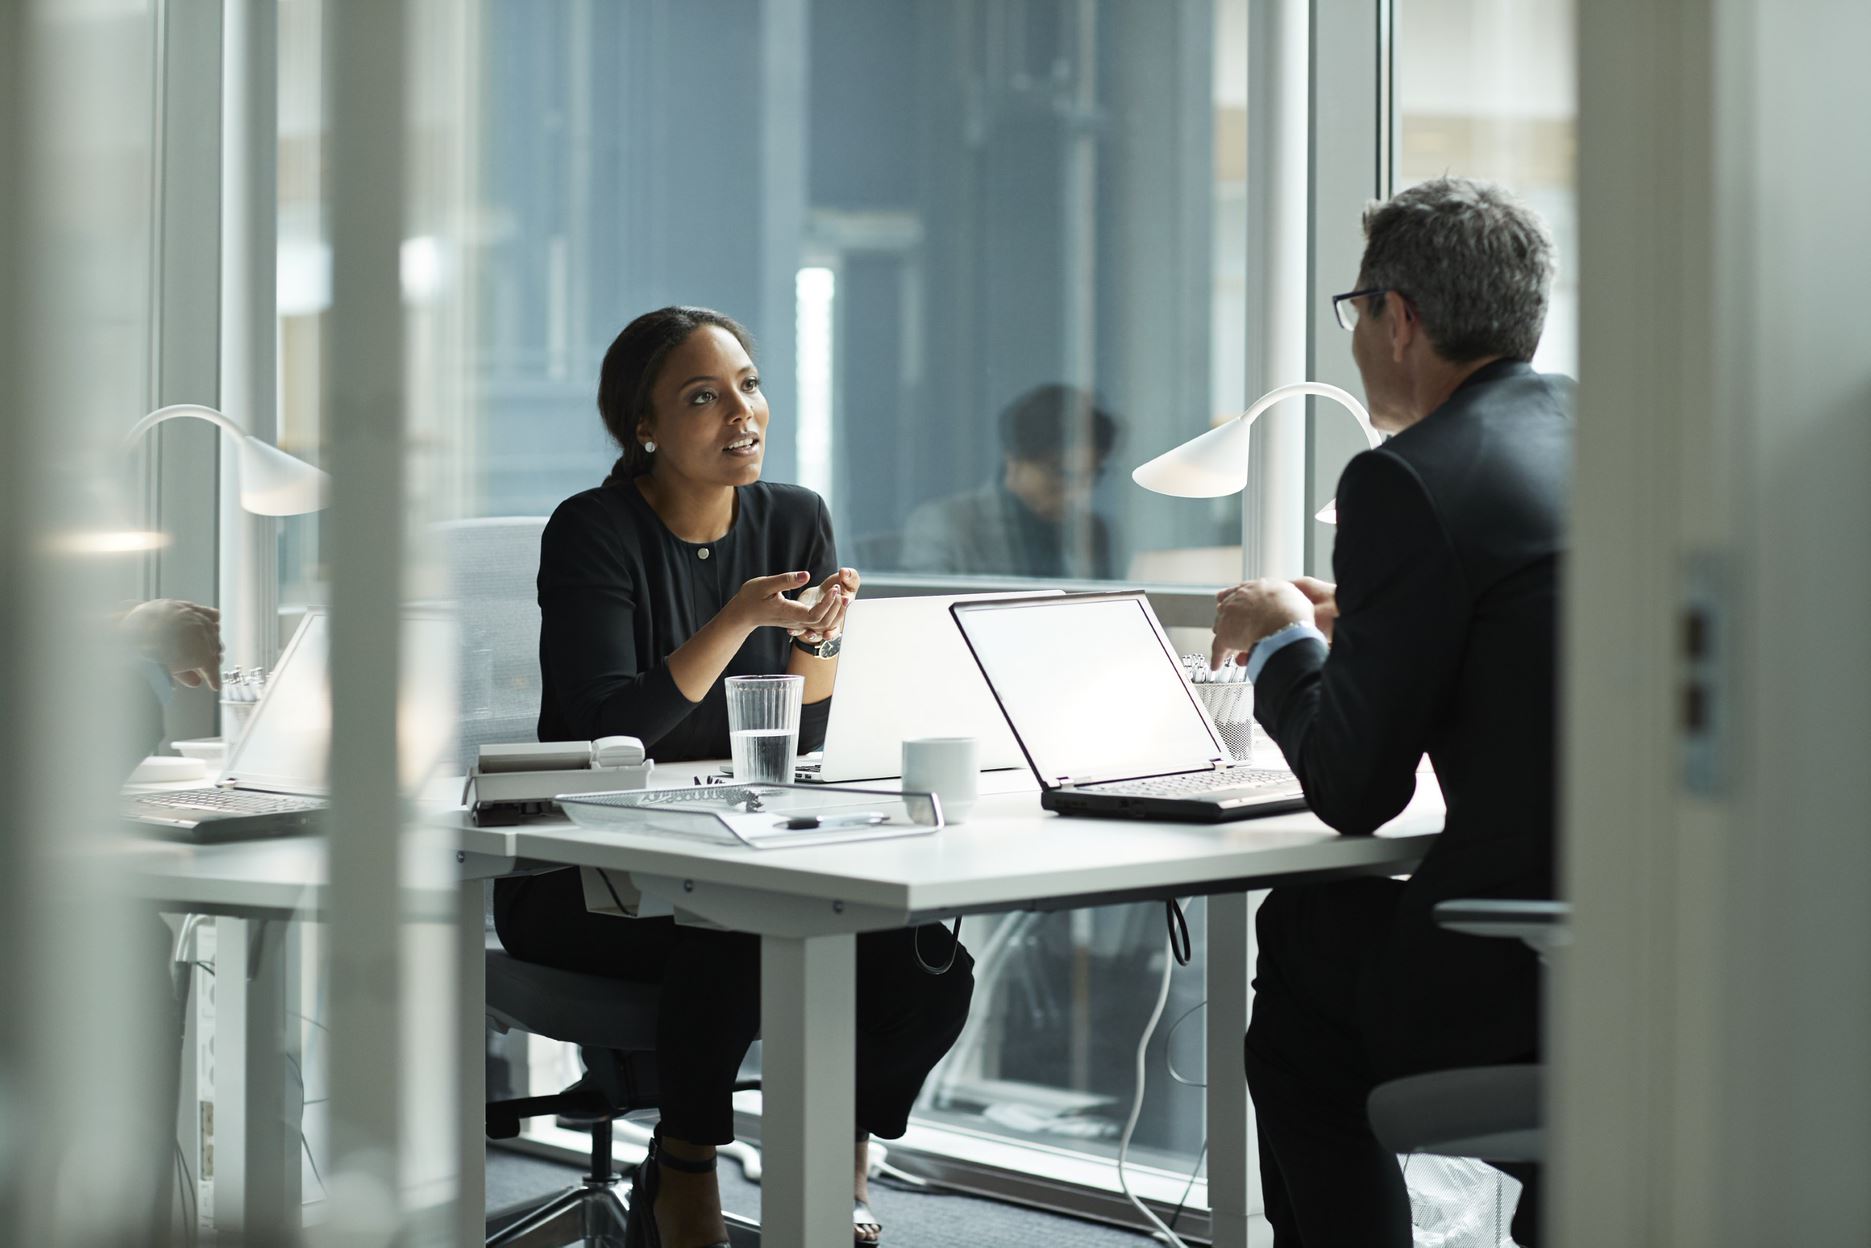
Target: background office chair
(1494, 1113)
(493, 570)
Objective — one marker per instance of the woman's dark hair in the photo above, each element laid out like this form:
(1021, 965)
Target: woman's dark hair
(630, 370)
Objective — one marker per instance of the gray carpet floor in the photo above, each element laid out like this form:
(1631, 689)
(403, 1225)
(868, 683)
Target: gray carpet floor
(911, 1219)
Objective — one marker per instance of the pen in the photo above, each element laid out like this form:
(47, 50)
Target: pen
(861, 819)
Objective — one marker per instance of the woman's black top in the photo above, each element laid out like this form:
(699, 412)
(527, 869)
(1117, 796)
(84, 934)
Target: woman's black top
(618, 593)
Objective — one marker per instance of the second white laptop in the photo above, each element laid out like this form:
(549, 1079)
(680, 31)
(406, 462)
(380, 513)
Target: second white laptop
(905, 672)
(275, 780)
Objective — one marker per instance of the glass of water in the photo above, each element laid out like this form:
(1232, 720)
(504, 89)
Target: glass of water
(763, 727)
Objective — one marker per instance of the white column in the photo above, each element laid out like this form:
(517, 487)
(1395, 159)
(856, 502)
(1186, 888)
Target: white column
(184, 455)
(365, 419)
(808, 1102)
(249, 379)
(1349, 145)
(1709, 1019)
(1273, 524)
(83, 974)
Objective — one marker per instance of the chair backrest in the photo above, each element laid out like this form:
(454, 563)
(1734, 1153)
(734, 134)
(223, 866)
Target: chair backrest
(493, 572)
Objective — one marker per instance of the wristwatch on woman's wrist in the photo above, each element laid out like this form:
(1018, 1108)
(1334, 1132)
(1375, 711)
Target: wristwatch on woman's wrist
(825, 649)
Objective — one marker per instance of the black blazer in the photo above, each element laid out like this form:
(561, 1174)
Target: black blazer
(1447, 561)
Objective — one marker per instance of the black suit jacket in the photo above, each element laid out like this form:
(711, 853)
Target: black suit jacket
(1447, 562)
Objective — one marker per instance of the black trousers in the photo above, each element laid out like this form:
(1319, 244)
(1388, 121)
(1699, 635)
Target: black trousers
(710, 1011)
(1321, 1038)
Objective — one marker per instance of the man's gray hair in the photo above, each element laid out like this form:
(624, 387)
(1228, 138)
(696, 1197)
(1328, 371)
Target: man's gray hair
(1476, 262)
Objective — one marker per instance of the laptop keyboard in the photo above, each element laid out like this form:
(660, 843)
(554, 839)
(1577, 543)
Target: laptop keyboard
(1194, 783)
(229, 802)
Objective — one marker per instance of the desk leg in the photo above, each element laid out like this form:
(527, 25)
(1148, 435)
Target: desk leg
(471, 1059)
(1233, 1155)
(258, 1096)
(808, 1099)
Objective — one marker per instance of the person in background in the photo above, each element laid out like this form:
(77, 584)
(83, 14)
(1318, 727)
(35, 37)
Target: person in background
(170, 642)
(1035, 519)
(681, 569)
(1438, 638)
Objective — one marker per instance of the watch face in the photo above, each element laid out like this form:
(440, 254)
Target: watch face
(824, 649)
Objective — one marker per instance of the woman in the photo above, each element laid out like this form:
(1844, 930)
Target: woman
(681, 569)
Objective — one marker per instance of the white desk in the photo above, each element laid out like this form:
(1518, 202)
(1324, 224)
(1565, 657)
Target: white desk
(258, 890)
(807, 904)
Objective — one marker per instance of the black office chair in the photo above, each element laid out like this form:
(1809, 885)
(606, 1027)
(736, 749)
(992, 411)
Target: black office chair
(614, 1024)
(1494, 1113)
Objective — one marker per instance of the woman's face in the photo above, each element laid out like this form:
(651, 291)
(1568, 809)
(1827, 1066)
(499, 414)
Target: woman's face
(708, 414)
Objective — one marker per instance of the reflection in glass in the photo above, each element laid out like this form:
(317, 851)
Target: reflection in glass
(958, 204)
(1060, 1001)
(1034, 517)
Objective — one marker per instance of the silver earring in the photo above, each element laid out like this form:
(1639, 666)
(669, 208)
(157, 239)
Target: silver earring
(649, 448)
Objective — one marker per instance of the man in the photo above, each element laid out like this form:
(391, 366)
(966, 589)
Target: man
(1438, 638)
(170, 642)
(1036, 519)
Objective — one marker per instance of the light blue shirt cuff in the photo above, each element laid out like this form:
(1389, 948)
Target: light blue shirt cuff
(158, 677)
(1273, 643)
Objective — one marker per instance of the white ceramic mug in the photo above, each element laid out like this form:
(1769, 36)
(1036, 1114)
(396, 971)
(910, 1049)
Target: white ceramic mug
(945, 766)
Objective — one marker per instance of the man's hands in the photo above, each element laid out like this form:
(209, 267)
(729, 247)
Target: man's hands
(1256, 609)
(1324, 596)
(185, 637)
(817, 613)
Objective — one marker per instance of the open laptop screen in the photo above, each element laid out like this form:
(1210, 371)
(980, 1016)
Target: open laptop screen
(1091, 686)
(287, 745)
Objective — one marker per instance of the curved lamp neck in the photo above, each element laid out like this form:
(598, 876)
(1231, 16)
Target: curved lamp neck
(1325, 391)
(174, 410)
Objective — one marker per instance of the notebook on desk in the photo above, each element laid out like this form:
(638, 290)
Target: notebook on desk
(1096, 697)
(275, 781)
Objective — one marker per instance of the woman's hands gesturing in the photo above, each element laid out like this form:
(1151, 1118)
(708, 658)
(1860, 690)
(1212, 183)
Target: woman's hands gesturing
(762, 603)
(841, 586)
(815, 614)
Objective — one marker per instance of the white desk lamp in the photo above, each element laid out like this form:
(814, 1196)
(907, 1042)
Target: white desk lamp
(272, 483)
(1214, 464)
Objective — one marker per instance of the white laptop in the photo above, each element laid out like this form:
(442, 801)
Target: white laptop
(275, 781)
(904, 672)
(1096, 696)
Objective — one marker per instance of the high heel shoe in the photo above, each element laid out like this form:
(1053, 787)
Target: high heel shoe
(640, 1230)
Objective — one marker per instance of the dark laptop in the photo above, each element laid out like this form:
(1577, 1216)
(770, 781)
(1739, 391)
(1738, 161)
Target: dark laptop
(1097, 699)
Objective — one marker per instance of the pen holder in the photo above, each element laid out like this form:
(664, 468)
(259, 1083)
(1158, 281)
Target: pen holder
(241, 689)
(1229, 702)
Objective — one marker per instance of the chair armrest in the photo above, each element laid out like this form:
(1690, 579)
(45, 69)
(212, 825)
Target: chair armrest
(1541, 924)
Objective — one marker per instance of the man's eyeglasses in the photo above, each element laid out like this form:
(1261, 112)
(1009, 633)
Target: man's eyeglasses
(1347, 311)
